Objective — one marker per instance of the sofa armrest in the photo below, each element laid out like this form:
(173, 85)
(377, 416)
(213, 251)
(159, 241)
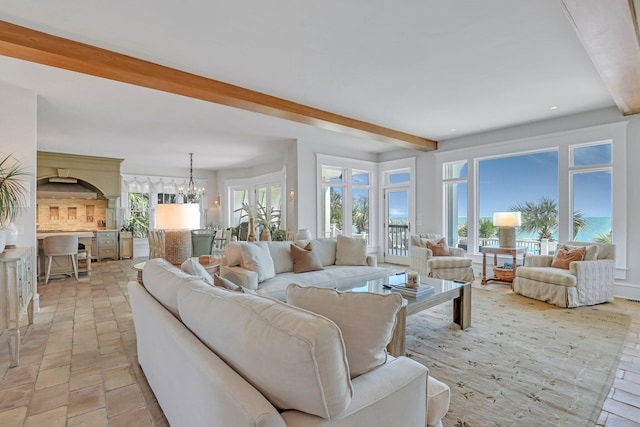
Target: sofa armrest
(459, 252)
(538, 261)
(372, 260)
(240, 276)
(600, 271)
(418, 257)
(191, 383)
(394, 394)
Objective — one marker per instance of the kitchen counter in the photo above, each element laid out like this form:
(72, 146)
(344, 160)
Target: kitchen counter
(61, 263)
(85, 233)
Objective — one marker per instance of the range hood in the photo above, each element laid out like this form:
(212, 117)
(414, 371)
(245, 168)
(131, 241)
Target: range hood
(65, 188)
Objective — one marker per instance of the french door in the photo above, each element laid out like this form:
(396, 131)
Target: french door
(397, 226)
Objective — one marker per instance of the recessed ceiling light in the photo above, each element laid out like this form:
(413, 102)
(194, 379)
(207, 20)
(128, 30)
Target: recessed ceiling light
(453, 129)
(553, 107)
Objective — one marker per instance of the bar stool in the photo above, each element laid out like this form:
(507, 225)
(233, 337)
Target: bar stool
(61, 246)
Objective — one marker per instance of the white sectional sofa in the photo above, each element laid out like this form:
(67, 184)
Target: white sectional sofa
(341, 277)
(214, 357)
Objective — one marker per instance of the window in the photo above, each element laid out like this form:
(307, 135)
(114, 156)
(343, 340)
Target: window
(346, 186)
(259, 196)
(138, 198)
(591, 173)
(536, 198)
(455, 199)
(580, 175)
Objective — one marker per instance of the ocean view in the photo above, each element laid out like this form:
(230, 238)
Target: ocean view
(595, 225)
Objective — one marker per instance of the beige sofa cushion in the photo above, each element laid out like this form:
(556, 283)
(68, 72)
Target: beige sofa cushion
(556, 276)
(295, 358)
(351, 251)
(365, 319)
(163, 279)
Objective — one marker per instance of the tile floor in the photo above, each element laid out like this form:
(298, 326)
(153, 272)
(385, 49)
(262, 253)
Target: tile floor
(78, 365)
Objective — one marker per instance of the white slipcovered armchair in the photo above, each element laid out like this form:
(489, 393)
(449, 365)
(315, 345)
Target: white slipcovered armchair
(452, 267)
(586, 282)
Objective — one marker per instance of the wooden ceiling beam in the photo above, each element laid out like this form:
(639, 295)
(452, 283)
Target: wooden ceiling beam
(609, 32)
(35, 46)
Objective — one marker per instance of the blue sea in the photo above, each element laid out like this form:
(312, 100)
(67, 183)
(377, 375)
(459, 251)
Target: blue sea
(595, 225)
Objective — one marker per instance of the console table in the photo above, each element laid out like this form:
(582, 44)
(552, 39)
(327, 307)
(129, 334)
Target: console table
(496, 250)
(17, 288)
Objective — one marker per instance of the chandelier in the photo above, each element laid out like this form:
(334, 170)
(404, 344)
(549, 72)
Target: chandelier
(193, 193)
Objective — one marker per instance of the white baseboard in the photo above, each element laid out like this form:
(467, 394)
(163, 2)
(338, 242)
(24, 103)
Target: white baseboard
(627, 291)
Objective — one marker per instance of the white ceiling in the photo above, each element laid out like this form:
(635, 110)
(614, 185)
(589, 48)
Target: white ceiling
(418, 66)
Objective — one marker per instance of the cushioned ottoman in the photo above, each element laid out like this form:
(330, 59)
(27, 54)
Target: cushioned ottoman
(438, 398)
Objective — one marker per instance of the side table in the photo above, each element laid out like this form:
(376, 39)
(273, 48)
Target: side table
(496, 250)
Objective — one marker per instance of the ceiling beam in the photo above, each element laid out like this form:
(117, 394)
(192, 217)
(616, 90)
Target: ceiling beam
(609, 32)
(30, 45)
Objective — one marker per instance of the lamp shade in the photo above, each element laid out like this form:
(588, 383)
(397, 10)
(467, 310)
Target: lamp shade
(507, 219)
(177, 216)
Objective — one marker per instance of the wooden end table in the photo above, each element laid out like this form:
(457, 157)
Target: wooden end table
(496, 250)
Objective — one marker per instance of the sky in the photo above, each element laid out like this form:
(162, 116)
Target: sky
(507, 181)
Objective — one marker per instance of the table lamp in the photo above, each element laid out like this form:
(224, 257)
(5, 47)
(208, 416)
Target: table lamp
(507, 221)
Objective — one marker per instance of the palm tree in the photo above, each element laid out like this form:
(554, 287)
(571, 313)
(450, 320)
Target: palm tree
(13, 190)
(487, 229)
(542, 218)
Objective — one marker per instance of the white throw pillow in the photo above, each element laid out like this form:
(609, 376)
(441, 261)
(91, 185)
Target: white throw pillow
(194, 268)
(281, 256)
(366, 320)
(326, 249)
(351, 251)
(295, 358)
(256, 257)
(227, 284)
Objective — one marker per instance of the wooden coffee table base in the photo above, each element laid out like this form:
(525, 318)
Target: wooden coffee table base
(461, 315)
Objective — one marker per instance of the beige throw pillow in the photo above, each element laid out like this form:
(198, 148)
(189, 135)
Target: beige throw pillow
(438, 247)
(256, 257)
(351, 251)
(565, 256)
(365, 319)
(590, 251)
(305, 259)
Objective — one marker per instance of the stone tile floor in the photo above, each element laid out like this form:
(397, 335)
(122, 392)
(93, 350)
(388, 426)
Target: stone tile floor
(78, 360)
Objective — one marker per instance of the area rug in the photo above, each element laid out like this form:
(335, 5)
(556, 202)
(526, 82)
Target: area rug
(522, 362)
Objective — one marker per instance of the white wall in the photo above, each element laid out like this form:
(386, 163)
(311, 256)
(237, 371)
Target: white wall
(18, 130)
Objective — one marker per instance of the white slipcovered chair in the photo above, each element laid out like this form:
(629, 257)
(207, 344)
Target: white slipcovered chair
(586, 282)
(452, 267)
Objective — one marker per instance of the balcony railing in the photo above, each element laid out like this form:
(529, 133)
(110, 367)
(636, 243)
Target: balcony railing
(398, 240)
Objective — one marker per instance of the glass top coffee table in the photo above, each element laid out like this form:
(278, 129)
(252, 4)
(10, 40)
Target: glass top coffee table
(444, 290)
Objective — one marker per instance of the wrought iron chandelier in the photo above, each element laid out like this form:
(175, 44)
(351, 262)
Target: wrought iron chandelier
(193, 193)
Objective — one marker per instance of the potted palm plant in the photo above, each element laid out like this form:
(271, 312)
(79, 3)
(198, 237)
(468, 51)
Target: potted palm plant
(13, 197)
